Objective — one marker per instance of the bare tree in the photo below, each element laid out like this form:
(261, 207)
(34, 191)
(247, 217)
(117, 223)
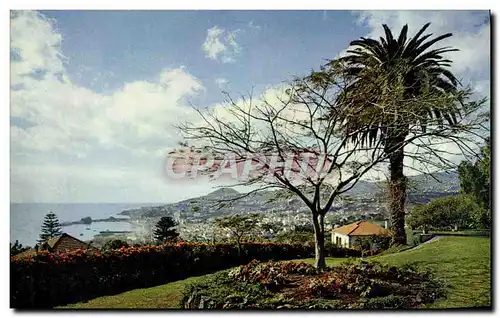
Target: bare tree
(297, 139)
(292, 141)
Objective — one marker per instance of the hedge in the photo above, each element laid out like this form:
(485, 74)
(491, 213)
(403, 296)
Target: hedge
(51, 279)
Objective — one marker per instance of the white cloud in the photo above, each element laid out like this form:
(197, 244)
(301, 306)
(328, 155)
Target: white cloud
(80, 183)
(41, 50)
(221, 82)
(220, 45)
(471, 35)
(70, 118)
(69, 123)
(136, 121)
(73, 119)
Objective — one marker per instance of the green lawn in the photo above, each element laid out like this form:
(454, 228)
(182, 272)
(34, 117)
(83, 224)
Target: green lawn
(463, 233)
(462, 262)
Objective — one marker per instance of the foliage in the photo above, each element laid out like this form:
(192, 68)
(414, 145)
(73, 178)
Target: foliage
(300, 285)
(300, 233)
(293, 236)
(17, 248)
(446, 213)
(377, 242)
(194, 296)
(114, 244)
(463, 263)
(403, 92)
(380, 242)
(164, 231)
(50, 227)
(475, 181)
(239, 225)
(481, 217)
(257, 129)
(49, 279)
(271, 229)
(271, 274)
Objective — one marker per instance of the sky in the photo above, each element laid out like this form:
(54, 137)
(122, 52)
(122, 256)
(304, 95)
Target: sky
(95, 95)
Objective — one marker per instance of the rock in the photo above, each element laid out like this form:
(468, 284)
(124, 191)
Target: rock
(86, 220)
(189, 302)
(234, 301)
(197, 301)
(201, 304)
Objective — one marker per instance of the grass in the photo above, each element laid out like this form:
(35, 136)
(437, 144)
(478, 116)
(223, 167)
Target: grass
(463, 233)
(463, 263)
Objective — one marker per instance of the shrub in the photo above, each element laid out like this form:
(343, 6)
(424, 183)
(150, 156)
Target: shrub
(270, 275)
(17, 248)
(114, 244)
(299, 285)
(51, 279)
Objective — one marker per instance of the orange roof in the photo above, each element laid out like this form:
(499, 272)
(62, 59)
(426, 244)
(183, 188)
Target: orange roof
(66, 242)
(27, 253)
(58, 243)
(361, 228)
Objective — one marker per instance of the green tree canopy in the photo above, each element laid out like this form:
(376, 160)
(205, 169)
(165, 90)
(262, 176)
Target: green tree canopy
(475, 178)
(239, 226)
(50, 227)
(17, 248)
(408, 89)
(445, 213)
(114, 244)
(165, 230)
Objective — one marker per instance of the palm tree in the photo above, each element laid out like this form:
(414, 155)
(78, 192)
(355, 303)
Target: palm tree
(409, 69)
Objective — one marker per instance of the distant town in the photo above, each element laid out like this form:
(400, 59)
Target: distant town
(196, 215)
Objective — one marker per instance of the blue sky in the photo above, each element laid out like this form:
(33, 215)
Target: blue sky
(106, 49)
(95, 94)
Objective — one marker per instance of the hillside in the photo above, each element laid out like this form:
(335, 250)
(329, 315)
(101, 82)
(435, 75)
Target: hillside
(365, 193)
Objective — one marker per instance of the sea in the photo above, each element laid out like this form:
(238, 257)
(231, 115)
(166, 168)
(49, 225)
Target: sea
(26, 219)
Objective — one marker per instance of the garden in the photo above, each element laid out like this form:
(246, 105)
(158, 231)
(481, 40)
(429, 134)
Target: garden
(278, 285)
(48, 279)
(462, 266)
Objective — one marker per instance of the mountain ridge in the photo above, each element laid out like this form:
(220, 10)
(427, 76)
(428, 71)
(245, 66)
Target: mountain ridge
(422, 189)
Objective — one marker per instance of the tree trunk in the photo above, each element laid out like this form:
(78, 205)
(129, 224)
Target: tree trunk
(319, 240)
(238, 244)
(397, 189)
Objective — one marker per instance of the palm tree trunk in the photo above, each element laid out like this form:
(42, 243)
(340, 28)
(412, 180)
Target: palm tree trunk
(397, 189)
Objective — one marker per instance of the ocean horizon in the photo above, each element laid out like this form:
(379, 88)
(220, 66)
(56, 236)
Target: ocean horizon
(26, 219)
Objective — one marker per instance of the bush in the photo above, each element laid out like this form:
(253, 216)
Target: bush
(275, 285)
(51, 279)
(17, 248)
(114, 245)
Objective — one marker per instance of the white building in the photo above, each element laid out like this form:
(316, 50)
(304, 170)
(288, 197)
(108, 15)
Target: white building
(347, 235)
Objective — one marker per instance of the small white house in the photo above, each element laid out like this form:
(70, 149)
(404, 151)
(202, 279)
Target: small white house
(346, 236)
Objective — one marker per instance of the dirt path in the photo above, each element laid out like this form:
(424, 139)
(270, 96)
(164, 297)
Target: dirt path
(435, 238)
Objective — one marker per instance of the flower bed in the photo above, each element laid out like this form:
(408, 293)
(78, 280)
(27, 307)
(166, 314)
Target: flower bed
(51, 279)
(299, 285)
